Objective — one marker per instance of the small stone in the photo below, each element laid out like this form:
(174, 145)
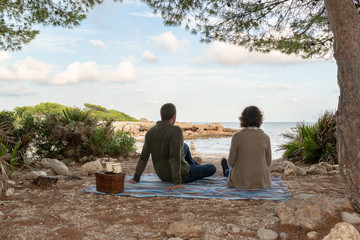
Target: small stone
(352, 218)
(9, 192)
(312, 235)
(289, 171)
(343, 231)
(279, 169)
(1, 215)
(336, 167)
(50, 172)
(84, 159)
(283, 236)
(327, 166)
(288, 164)
(34, 174)
(232, 228)
(300, 171)
(45, 181)
(91, 168)
(11, 183)
(333, 172)
(267, 234)
(185, 230)
(316, 169)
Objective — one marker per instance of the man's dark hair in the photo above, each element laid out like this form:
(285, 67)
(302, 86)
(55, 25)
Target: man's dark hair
(251, 117)
(167, 111)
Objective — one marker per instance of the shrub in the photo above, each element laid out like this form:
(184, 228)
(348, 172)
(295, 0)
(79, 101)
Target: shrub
(312, 143)
(104, 141)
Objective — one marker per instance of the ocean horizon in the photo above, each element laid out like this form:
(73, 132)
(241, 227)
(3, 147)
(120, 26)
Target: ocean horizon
(222, 145)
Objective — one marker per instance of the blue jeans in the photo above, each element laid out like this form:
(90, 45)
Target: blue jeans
(196, 171)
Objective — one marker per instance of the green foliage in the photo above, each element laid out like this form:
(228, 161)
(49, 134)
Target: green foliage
(299, 27)
(95, 107)
(312, 143)
(94, 111)
(104, 141)
(18, 18)
(75, 115)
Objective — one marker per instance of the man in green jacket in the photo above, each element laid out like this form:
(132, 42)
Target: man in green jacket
(165, 143)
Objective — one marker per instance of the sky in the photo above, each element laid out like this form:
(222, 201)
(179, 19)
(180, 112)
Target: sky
(122, 57)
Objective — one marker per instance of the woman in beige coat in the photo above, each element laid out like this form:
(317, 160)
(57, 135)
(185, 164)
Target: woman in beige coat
(250, 154)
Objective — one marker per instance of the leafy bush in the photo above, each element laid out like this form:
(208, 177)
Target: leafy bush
(95, 111)
(104, 141)
(312, 143)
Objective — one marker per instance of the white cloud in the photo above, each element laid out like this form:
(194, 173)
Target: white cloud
(227, 54)
(40, 72)
(4, 56)
(152, 101)
(167, 40)
(139, 90)
(125, 72)
(295, 99)
(16, 90)
(285, 86)
(26, 70)
(265, 87)
(145, 14)
(98, 43)
(77, 72)
(149, 56)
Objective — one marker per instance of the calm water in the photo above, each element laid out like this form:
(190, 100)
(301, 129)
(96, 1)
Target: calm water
(222, 145)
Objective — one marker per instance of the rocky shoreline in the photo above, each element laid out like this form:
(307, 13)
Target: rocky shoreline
(190, 130)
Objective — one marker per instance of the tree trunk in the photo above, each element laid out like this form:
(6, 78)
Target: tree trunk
(345, 24)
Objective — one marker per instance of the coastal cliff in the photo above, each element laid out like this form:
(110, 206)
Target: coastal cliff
(190, 130)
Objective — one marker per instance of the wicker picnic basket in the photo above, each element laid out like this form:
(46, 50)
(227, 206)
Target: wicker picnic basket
(110, 182)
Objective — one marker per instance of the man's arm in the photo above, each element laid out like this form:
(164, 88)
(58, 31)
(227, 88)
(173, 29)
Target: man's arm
(176, 152)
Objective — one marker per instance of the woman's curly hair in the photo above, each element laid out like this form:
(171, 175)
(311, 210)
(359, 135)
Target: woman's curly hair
(251, 117)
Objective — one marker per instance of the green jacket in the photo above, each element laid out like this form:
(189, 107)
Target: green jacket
(165, 143)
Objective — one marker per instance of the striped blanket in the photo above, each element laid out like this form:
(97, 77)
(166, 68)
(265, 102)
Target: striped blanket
(210, 187)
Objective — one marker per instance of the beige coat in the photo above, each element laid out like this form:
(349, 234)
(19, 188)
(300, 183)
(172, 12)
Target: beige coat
(250, 159)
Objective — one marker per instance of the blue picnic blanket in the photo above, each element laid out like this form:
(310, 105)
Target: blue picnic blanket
(211, 187)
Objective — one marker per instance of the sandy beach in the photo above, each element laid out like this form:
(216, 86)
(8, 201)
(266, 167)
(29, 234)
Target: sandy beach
(64, 211)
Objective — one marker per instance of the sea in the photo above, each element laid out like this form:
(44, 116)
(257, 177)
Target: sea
(222, 145)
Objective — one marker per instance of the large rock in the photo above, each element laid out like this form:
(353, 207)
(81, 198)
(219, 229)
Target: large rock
(57, 166)
(34, 174)
(91, 168)
(185, 230)
(327, 166)
(343, 231)
(352, 218)
(304, 210)
(316, 169)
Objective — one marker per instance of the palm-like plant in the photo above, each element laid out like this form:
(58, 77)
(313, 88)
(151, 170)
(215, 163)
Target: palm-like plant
(312, 143)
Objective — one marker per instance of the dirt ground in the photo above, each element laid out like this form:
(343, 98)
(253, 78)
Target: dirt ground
(64, 211)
